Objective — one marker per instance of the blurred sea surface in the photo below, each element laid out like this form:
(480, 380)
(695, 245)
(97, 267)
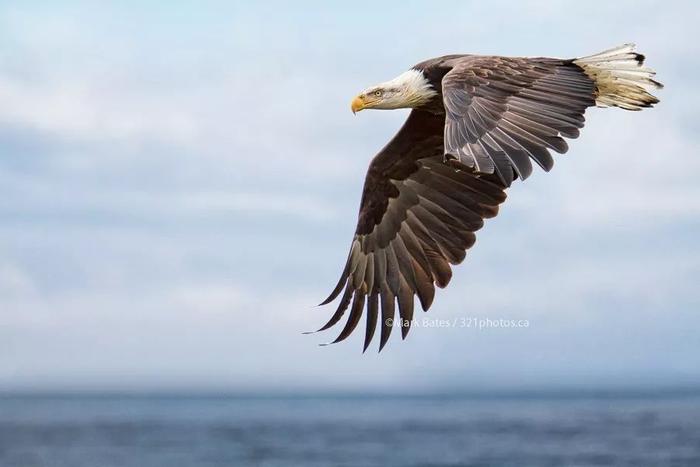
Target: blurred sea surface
(592, 429)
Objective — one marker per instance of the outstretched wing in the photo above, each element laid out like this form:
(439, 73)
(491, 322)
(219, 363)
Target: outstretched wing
(418, 215)
(501, 112)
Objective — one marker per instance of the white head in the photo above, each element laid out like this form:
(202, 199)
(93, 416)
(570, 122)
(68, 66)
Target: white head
(408, 90)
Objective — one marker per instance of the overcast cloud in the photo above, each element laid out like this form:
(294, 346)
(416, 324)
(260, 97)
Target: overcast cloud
(179, 186)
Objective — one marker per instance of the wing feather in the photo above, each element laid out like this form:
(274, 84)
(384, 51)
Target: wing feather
(388, 306)
(510, 110)
(418, 215)
(372, 315)
(358, 302)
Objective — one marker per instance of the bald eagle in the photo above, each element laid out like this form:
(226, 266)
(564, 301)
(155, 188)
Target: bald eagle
(477, 123)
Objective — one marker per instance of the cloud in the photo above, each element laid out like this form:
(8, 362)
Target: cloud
(14, 283)
(75, 110)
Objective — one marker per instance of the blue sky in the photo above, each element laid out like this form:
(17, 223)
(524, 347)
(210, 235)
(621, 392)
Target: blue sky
(179, 186)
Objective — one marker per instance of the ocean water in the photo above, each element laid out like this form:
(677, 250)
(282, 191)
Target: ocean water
(526, 430)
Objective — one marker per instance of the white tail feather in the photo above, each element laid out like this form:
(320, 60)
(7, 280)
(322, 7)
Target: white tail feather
(621, 78)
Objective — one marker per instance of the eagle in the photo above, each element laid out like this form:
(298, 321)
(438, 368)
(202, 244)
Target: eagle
(477, 123)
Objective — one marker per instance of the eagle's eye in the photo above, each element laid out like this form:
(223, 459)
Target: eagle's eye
(378, 93)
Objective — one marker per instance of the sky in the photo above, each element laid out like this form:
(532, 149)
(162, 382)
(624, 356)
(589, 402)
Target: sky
(179, 183)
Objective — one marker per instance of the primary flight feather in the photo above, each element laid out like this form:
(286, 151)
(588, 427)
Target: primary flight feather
(478, 123)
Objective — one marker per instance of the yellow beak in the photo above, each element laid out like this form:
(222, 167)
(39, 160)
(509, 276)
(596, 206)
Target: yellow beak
(358, 103)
